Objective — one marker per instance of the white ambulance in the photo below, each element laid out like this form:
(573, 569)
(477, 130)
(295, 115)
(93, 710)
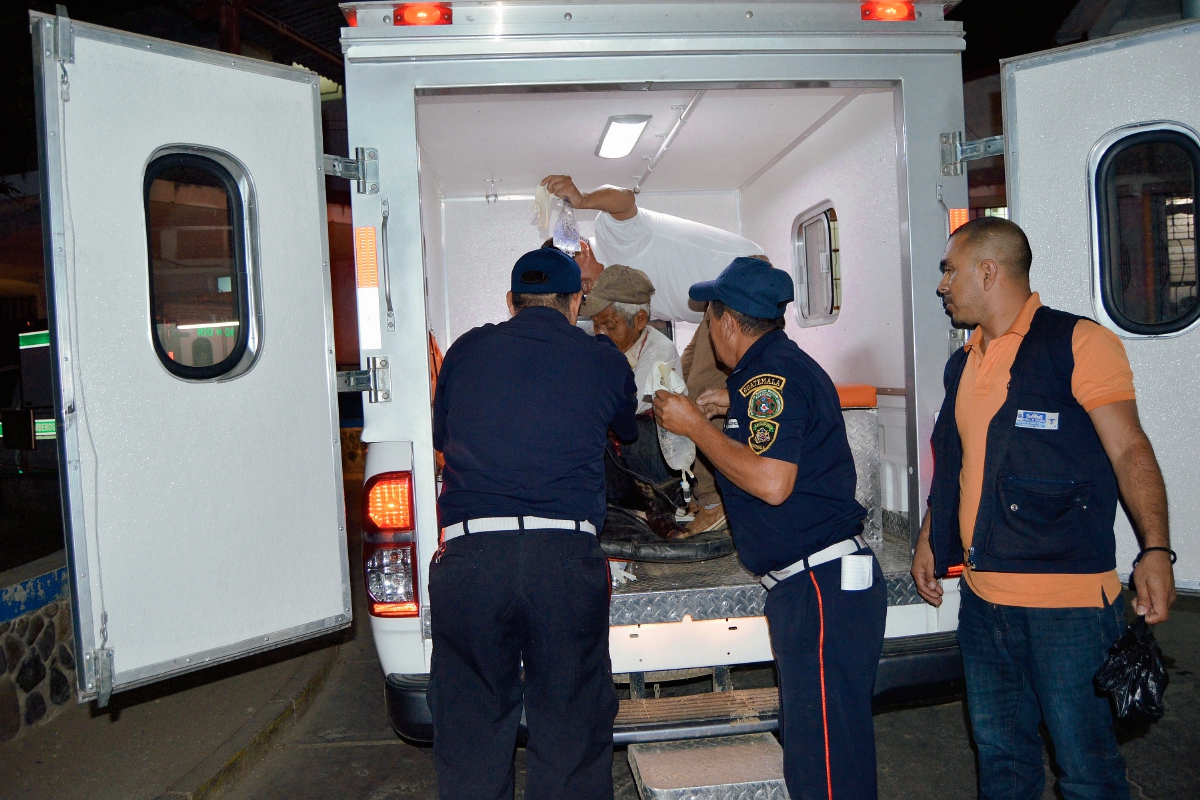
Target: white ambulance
(189, 287)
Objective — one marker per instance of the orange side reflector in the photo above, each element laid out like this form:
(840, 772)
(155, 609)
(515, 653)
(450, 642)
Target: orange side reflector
(857, 395)
(889, 12)
(365, 260)
(958, 218)
(954, 572)
(393, 609)
(423, 14)
(390, 502)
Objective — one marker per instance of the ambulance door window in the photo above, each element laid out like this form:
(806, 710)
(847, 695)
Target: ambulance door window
(816, 256)
(200, 298)
(1145, 188)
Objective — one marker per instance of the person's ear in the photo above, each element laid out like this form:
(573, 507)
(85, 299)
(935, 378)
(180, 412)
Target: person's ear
(990, 272)
(728, 327)
(512, 310)
(576, 302)
(639, 321)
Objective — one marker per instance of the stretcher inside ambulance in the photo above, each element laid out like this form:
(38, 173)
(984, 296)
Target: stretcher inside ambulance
(808, 175)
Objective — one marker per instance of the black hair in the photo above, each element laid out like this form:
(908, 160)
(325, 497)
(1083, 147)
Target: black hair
(559, 301)
(751, 326)
(1008, 241)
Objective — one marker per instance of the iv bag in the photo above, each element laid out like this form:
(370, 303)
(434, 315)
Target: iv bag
(541, 211)
(566, 232)
(678, 451)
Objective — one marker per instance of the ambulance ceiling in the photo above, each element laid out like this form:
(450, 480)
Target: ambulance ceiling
(517, 139)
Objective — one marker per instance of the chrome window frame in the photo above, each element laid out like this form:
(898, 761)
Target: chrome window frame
(1095, 159)
(800, 273)
(249, 254)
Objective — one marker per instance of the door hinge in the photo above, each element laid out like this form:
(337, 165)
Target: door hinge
(363, 169)
(956, 152)
(375, 380)
(64, 36)
(98, 674)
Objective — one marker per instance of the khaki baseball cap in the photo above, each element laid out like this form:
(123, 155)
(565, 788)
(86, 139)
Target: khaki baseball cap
(617, 284)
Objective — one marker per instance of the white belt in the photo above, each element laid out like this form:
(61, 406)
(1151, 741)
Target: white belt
(842, 548)
(490, 524)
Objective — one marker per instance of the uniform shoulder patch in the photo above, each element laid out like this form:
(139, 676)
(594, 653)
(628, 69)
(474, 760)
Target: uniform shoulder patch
(762, 435)
(759, 381)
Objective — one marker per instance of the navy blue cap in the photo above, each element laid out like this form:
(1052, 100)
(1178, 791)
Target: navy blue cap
(749, 285)
(546, 271)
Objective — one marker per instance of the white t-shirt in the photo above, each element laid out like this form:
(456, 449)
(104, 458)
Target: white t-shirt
(673, 252)
(650, 348)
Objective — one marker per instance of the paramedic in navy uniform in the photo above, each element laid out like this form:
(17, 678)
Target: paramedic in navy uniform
(519, 589)
(787, 475)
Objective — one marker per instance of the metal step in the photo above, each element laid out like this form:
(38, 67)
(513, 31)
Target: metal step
(727, 768)
(696, 715)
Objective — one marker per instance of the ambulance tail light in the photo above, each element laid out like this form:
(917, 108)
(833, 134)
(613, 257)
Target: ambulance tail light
(388, 505)
(351, 15)
(390, 571)
(890, 11)
(423, 14)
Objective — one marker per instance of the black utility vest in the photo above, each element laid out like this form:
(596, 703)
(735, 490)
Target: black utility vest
(1049, 492)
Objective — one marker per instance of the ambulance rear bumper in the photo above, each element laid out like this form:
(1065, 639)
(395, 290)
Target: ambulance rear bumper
(912, 670)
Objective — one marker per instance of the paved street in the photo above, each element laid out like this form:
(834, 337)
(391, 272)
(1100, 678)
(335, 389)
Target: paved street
(344, 746)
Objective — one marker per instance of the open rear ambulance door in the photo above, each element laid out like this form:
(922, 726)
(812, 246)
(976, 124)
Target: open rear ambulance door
(1102, 146)
(184, 223)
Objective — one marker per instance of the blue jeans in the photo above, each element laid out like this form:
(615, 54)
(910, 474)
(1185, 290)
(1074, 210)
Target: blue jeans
(1026, 665)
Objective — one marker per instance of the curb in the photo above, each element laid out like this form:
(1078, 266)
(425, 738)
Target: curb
(258, 735)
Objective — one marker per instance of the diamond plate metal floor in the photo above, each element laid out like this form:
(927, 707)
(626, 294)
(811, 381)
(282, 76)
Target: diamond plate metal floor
(722, 588)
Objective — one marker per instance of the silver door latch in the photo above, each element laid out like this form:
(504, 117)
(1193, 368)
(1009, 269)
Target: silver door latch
(375, 380)
(98, 674)
(363, 169)
(956, 152)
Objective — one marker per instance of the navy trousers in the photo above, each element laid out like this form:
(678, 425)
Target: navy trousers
(827, 644)
(520, 620)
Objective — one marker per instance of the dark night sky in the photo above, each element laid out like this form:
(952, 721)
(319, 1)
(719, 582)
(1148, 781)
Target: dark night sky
(994, 30)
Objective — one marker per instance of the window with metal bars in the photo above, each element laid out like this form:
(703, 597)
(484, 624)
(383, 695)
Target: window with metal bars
(1145, 190)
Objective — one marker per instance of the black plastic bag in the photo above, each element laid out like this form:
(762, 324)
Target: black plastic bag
(1134, 674)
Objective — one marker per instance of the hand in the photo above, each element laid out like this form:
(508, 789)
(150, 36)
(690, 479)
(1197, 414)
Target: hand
(922, 569)
(713, 402)
(676, 413)
(563, 186)
(1155, 582)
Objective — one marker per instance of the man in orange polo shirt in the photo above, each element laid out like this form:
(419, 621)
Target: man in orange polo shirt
(1036, 441)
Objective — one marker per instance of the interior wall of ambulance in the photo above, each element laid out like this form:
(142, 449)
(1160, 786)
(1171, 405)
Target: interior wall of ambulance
(471, 244)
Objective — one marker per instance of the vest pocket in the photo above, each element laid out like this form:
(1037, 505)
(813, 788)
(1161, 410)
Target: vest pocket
(1042, 520)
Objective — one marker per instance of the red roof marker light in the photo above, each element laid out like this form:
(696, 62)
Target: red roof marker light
(423, 14)
(891, 11)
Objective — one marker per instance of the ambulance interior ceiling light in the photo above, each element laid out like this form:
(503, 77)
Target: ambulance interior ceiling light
(620, 135)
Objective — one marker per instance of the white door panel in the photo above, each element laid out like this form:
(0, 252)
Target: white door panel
(1062, 109)
(205, 516)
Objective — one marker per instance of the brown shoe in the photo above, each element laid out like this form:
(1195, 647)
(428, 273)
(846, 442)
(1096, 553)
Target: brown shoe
(709, 519)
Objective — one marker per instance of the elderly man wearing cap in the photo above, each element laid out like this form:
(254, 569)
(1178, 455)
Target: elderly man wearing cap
(788, 479)
(619, 307)
(519, 588)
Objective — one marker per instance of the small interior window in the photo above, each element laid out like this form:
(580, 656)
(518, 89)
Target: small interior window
(817, 267)
(199, 293)
(1146, 190)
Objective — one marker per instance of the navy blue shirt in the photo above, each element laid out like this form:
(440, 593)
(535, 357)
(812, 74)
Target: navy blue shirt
(522, 412)
(784, 406)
